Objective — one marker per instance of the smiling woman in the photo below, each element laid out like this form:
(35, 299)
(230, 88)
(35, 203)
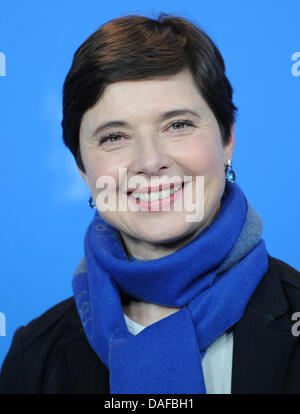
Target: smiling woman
(149, 145)
(163, 304)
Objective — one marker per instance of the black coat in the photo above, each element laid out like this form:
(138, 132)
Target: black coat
(52, 355)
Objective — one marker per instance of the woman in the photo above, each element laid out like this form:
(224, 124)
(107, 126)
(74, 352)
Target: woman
(176, 293)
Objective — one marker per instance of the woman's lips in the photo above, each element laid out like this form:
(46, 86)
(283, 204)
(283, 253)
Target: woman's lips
(154, 189)
(161, 204)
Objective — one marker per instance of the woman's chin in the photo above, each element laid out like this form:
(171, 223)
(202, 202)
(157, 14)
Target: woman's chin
(164, 234)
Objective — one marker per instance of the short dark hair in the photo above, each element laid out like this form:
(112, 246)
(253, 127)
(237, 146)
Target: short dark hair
(137, 47)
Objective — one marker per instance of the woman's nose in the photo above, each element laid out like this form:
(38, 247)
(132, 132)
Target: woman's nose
(149, 157)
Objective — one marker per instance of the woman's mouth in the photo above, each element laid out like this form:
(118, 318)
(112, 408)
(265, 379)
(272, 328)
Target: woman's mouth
(161, 200)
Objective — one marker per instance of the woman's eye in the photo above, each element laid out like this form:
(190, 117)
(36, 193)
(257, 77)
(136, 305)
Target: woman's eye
(116, 137)
(110, 138)
(179, 125)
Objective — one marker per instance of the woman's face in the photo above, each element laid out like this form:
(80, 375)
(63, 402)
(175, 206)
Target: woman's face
(158, 128)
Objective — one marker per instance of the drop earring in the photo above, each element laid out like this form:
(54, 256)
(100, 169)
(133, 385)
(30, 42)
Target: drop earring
(230, 175)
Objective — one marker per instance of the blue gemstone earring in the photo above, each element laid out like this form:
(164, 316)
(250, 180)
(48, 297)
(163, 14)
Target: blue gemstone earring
(91, 203)
(230, 175)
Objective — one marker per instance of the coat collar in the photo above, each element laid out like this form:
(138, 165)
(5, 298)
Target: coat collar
(263, 339)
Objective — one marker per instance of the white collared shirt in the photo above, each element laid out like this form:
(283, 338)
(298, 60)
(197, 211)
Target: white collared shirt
(216, 364)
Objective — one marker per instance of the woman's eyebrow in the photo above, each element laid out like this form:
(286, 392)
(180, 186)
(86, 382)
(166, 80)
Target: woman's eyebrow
(177, 112)
(162, 117)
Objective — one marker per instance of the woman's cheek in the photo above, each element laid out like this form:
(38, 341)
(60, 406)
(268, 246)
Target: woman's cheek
(98, 167)
(203, 162)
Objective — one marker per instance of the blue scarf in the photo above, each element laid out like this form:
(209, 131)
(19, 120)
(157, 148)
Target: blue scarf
(211, 279)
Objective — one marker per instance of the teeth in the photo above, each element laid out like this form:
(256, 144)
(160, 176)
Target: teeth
(156, 195)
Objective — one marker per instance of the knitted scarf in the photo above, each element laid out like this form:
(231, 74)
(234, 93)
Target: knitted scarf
(211, 280)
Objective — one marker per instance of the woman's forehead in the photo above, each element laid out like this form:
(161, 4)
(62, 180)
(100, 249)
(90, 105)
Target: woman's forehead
(149, 86)
(148, 98)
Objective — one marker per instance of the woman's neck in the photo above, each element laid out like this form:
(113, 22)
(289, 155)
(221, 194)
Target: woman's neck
(147, 313)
